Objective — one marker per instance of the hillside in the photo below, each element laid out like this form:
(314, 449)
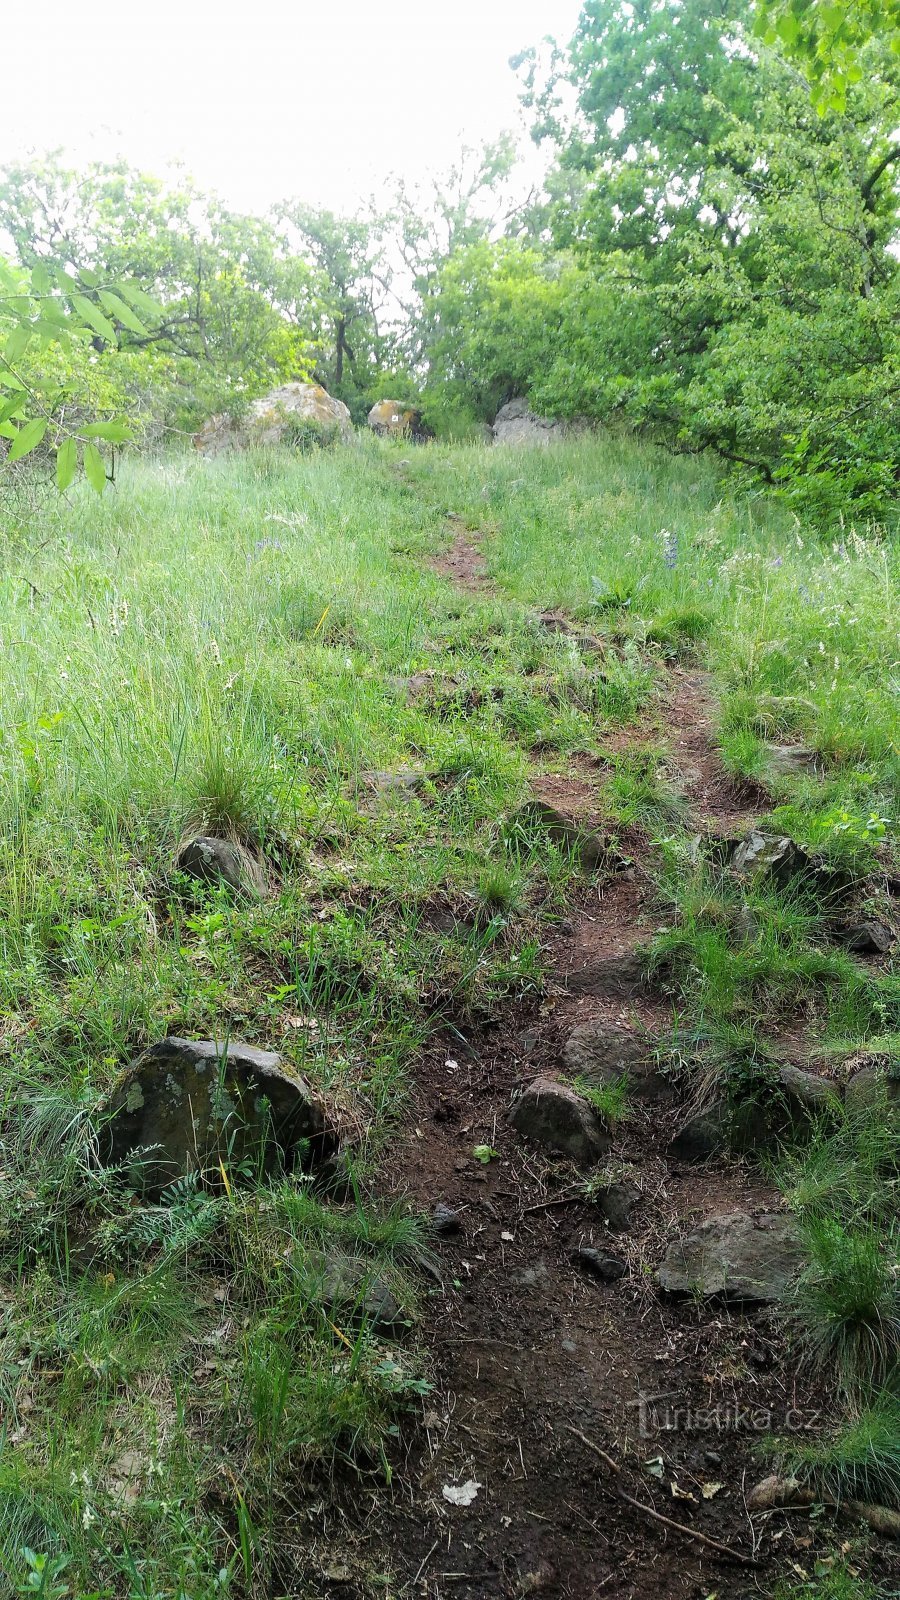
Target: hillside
(575, 764)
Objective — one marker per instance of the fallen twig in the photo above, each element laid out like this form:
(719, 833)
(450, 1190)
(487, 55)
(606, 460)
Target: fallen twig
(650, 1511)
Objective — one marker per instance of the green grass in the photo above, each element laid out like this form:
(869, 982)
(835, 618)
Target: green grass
(237, 647)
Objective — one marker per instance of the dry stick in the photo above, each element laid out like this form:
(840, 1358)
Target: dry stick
(649, 1511)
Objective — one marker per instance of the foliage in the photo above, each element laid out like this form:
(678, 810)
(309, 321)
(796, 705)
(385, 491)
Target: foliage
(53, 317)
(827, 38)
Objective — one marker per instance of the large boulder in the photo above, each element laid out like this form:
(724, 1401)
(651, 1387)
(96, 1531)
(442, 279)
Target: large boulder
(278, 418)
(189, 1105)
(516, 423)
(555, 1116)
(734, 1257)
(393, 420)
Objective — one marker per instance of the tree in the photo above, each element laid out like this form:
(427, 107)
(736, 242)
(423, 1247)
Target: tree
(827, 38)
(747, 239)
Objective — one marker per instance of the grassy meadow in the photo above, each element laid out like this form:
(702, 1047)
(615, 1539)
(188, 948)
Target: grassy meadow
(251, 647)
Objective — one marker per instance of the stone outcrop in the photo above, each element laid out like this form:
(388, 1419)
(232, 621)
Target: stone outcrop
(187, 1105)
(391, 419)
(734, 1257)
(516, 423)
(277, 419)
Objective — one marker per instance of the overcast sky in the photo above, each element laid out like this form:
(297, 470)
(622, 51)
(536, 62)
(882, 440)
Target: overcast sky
(273, 99)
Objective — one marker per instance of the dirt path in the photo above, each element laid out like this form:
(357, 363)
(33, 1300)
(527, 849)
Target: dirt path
(524, 1344)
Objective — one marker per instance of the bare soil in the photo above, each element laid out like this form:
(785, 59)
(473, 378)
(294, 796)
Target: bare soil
(525, 1347)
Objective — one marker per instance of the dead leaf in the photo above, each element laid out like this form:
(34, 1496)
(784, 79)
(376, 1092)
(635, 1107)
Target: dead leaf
(710, 1490)
(655, 1467)
(681, 1494)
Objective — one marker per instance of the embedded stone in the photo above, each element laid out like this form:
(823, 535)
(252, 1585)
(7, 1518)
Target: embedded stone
(555, 1116)
(188, 1105)
(734, 1257)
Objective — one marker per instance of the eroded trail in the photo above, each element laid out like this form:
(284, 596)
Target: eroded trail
(498, 1496)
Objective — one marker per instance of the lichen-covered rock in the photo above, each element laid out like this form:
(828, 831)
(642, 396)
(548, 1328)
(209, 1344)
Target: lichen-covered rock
(276, 418)
(555, 1116)
(187, 1105)
(734, 1257)
(222, 861)
(516, 423)
(392, 419)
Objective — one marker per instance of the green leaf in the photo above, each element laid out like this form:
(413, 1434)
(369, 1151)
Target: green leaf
(18, 341)
(136, 297)
(41, 281)
(114, 431)
(122, 313)
(27, 438)
(13, 404)
(94, 317)
(94, 469)
(66, 464)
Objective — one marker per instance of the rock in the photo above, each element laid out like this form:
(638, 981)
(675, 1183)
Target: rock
(516, 423)
(806, 1094)
(616, 1202)
(619, 977)
(598, 1263)
(603, 1053)
(279, 416)
(787, 760)
(186, 1105)
(222, 861)
(554, 1116)
(872, 1086)
(445, 1221)
(392, 419)
(869, 938)
(591, 848)
(357, 1294)
(766, 853)
(737, 1257)
(702, 1134)
(404, 780)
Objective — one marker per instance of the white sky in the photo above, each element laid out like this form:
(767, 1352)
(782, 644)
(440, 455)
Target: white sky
(268, 100)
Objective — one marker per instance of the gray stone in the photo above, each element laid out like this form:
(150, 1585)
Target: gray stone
(603, 1053)
(358, 1295)
(871, 937)
(619, 977)
(735, 1257)
(598, 1263)
(806, 1094)
(222, 861)
(789, 760)
(403, 780)
(702, 1134)
(616, 1202)
(766, 853)
(516, 423)
(554, 1116)
(445, 1221)
(186, 1105)
(874, 1085)
(391, 419)
(592, 849)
